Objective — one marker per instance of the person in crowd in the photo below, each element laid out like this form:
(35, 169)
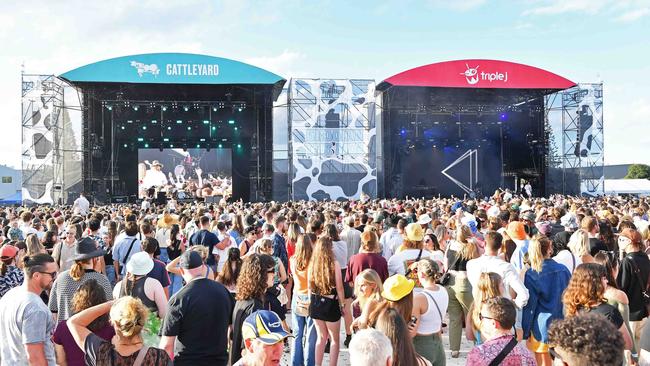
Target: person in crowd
(304, 342)
(124, 248)
(397, 294)
(236, 232)
(369, 257)
(175, 247)
(459, 253)
(252, 234)
(368, 287)
(411, 250)
(576, 252)
(489, 286)
(173, 266)
(586, 293)
(255, 277)
(225, 241)
(158, 272)
(230, 271)
(86, 263)
(109, 240)
(34, 245)
(545, 280)
(562, 237)
(392, 324)
(50, 240)
(279, 243)
(591, 226)
(10, 275)
(633, 278)
(497, 318)
(127, 316)
(138, 284)
(613, 295)
(26, 324)
(491, 262)
(326, 298)
(351, 236)
(391, 239)
(194, 328)
(370, 347)
(163, 233)
(429, 305)
(587, 339)
(67, 352)
(263, 338)
(206, 238)
(516, 231)
(340, 249)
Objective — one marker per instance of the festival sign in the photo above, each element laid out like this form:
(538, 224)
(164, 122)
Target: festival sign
(171, 68)
(485, 74)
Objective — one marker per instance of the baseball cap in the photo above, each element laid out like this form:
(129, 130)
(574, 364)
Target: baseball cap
(265, 326)
(190, 260)
(8, 251)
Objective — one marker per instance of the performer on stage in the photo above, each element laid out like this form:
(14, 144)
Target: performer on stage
(154, 177)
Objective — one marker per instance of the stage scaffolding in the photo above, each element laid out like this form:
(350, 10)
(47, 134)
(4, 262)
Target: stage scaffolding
(331, 139)
(51, 140)
(576, 116)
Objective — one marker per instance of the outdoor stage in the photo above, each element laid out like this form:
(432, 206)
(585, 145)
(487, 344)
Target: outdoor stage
(463, 127)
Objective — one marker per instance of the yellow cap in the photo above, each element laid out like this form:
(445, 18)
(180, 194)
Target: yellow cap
(414, 232)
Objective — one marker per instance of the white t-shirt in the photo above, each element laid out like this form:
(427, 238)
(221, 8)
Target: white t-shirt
(399, 262)
(81, 206)
(568, 259)
(223, 253)
(340, 249)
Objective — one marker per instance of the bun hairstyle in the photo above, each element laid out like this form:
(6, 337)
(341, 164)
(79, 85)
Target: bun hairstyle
(428, 268)
(128, 315)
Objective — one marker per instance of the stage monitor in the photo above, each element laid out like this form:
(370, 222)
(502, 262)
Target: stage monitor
(185, 174)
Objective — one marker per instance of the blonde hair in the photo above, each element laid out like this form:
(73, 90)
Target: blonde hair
(537, 251)
(202, 250)
(468, 248)
(488, 286)
(368, 276)
(579, 243)
(77, 270)
(34, 245)
(265, 246)
(128, 315)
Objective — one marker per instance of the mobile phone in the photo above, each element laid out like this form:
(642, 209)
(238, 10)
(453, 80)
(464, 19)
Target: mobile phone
(413, 320)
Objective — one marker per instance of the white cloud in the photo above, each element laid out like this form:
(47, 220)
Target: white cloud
(625, 11)
(633, 15)
(284, 64)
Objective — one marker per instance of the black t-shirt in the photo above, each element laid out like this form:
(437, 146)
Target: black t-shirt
(199, 315)
(596, 245)
(611, 313)
(243, 308)
(204, 237)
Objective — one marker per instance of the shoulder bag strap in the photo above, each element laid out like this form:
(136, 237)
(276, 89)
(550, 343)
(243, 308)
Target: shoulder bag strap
(140, 358)
(128, 252)
(453, 263)
(573, 258)
(427, 294)
(504, 352)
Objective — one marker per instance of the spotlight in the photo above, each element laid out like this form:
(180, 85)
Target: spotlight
(202, 140)
(235, 128)
(140, 139)
(164, 108)
(126, 145)
(214, 128)
(166, 139)
(153, 121)
(122, 127)
(144, 127)
(186, 108)
(214, 109)
(231, 122)
(178, 121)
(220, 146)
(135, 107)
(171, 145)
(189, 128)
(110, 108)
(239, 146)
(503, 116)
(146, 145)
(169, 128)
(206, 122)
(198, 146)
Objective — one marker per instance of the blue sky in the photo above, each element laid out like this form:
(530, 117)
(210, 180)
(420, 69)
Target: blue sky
(583, 40)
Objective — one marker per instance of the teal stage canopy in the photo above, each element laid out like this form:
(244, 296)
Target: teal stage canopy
(172, 68)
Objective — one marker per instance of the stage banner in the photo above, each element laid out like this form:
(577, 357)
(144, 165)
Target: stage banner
(172, 68)
(333, 131)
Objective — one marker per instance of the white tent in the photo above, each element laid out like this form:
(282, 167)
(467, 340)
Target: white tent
(639, 187)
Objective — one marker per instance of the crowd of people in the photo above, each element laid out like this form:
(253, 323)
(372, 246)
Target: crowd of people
(529, 281)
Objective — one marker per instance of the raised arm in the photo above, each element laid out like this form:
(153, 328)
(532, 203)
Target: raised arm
(78, 323)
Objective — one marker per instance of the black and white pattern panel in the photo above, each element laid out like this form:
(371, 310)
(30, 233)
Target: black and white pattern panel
(333, 131)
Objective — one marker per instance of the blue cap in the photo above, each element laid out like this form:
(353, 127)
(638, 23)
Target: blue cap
(265, 326)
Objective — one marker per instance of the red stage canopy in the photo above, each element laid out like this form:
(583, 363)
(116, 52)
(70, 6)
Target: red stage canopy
(478, 74)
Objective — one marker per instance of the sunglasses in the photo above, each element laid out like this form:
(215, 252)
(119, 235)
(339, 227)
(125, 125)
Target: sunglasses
(52, 274)
(481, 317)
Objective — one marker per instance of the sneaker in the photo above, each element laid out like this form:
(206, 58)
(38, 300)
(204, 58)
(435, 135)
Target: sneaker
(348, 338)
(455, 354)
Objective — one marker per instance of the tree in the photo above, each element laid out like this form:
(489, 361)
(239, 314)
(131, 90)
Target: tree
(638, 171)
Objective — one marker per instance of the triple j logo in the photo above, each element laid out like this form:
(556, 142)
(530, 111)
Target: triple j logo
(473, 76)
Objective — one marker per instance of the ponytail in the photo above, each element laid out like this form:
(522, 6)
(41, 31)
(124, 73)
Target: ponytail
(3, 268)
(77, 270)
(537, 250)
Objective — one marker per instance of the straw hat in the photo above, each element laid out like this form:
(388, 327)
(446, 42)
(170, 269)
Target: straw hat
(414, 232)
